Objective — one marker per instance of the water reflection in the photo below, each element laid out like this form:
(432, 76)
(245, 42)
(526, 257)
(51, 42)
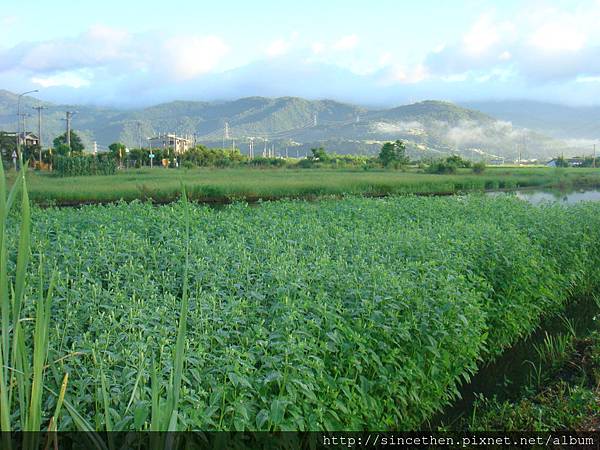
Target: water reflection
(537, 197)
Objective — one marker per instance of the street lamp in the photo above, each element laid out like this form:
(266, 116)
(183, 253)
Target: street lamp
(19, 119)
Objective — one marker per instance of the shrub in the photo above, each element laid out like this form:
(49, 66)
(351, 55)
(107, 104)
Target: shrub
(72, 166)
(479, 167)
(441, 167)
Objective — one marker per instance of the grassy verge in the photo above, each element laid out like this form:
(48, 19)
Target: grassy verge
(223, 185)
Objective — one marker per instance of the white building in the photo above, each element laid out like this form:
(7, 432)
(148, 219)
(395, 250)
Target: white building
(177, 143)
(26, 138)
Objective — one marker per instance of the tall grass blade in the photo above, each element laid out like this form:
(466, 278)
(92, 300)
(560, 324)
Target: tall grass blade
(83, 425)
(5, 425)
(181, 332)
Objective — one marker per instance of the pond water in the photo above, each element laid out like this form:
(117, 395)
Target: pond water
(536, 197)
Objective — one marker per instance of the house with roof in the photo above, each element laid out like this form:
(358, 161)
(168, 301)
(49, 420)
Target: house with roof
(177, 143)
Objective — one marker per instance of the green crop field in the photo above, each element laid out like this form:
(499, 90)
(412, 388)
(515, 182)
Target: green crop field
(340, 314)
(163, 185)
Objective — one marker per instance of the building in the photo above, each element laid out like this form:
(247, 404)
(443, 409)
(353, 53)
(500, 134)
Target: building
(572, 162)
(27, 138)
(177, 143)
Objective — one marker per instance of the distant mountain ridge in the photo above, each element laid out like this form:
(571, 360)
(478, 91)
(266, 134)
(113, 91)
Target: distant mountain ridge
(429, 128)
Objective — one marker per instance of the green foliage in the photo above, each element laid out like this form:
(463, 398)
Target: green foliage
(306, 324)
(458, 161)
(479, 167)
(441, 167)
(562, 162)
(343, 175)
(319, 154)
(448, 165)
(270, 162)
(8, 145)
(74, 166)
(566, 399)
(24, 348)
(201, 156)
(61, 150)
(76, 144)
(117, 150)
(393, 154)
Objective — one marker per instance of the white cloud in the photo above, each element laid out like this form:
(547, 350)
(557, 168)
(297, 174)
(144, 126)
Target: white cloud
(278, 47)
(536, 44)
(558, 36)
(115, 51)
(385, 58)
(505, 55)
(190, 56)
(317, 47)
(396, 74)
(345, 43)
(68, 79)
(8, 21)
(483, 34)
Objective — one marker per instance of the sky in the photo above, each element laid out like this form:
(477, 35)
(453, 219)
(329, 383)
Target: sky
(374, 53)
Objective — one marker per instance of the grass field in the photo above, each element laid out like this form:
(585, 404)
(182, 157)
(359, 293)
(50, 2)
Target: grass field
(344, 314)
(222, 185)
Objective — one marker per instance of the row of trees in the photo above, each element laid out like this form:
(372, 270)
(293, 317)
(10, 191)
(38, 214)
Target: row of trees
(391, 155)
(8, 145)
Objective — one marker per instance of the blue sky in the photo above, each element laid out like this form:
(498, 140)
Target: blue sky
(131, 53)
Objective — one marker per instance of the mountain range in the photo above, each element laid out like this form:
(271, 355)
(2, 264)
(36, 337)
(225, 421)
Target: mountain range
(290, 124)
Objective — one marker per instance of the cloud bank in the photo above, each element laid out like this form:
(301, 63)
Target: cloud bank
(543, 53)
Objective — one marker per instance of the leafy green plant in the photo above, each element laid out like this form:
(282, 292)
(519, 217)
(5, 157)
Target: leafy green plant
(300, 315)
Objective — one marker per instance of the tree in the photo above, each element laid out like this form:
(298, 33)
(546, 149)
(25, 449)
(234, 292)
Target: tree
(319, 154)
(8, 145)
(76, 144)
(117, 149)
(393, 153)
(61, 150)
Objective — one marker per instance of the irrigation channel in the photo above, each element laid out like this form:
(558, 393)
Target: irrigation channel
(519, 365)
(505, 377)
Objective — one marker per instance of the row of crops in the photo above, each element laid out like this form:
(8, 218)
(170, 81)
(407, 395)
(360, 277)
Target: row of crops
(352, 314)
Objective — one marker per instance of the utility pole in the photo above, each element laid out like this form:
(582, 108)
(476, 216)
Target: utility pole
(69, 117)
(225, 134)
(19, 120)
(24, 122)
(95, 148)
(594, 158)
(39, 110)
(315, 121)
(139, 130)
(251, 148)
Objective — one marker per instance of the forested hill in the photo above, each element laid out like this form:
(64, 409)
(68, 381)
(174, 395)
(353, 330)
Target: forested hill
(430, 127)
